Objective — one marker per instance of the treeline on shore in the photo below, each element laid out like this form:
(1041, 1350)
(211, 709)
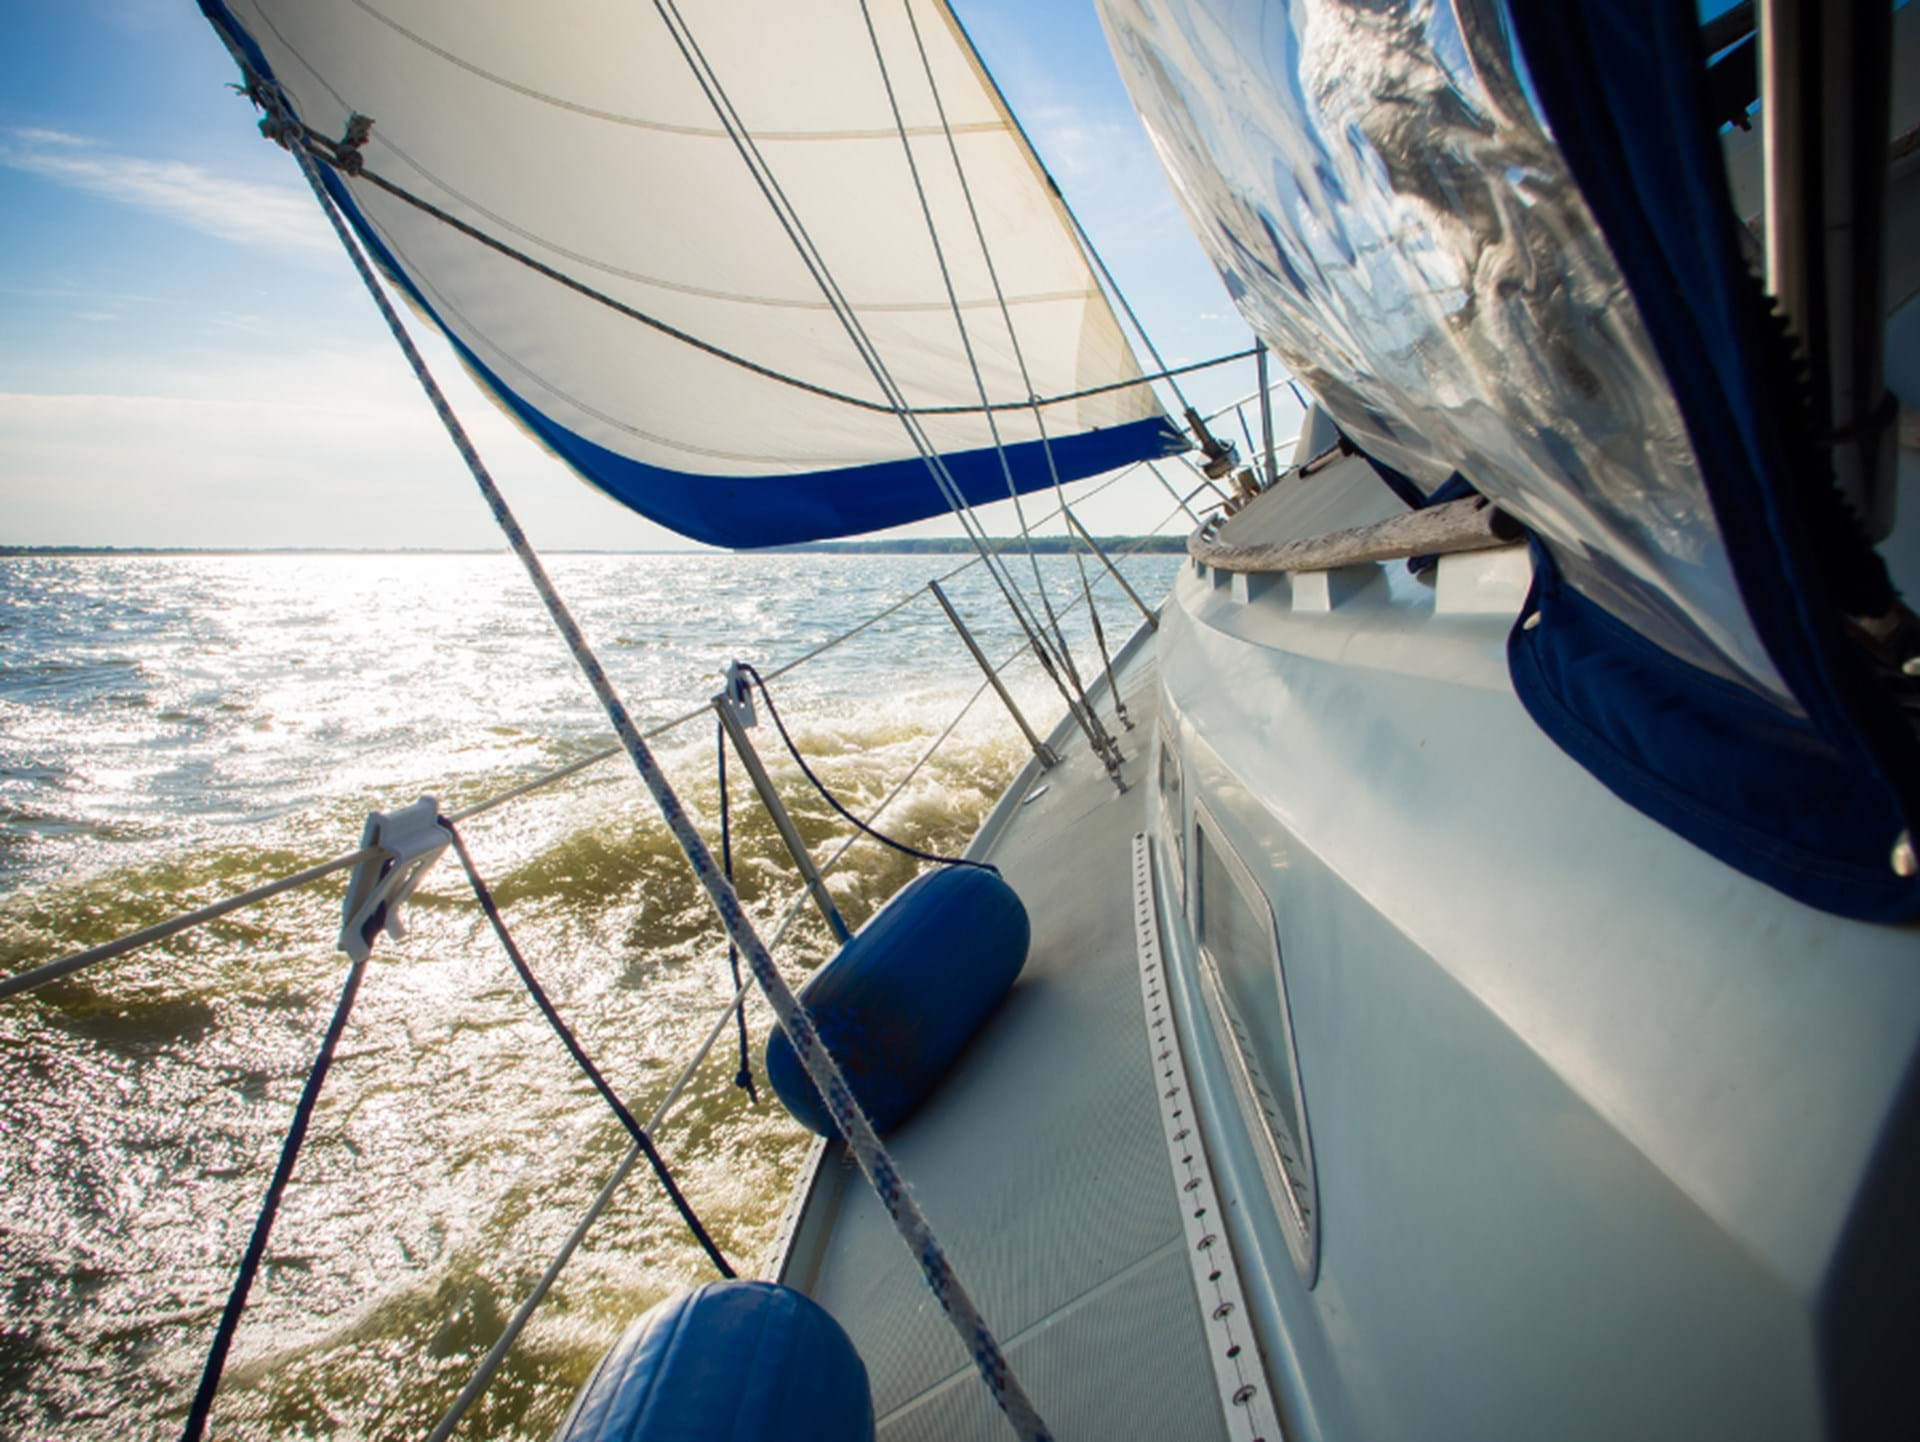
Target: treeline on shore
(947, 545)
(903, 546)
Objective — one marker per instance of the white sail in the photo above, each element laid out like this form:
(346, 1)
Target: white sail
(581, 138)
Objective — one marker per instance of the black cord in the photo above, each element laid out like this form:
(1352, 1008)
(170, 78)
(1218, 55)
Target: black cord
(744, 1077)
(263, 1225)
(539, 995)
(773, 711)
(332, 153)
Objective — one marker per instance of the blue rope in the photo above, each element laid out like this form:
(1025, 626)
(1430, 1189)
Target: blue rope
(581, 1059)
(826, 795)
(744, 1077)
(263, 1225)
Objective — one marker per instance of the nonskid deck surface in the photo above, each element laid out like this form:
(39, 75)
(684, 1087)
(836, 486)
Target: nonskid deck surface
(1040, 1163)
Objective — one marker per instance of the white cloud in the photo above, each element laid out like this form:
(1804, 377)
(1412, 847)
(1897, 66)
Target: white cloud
(241, 211)
(34, 135)
(258, 447)
(1075, 143)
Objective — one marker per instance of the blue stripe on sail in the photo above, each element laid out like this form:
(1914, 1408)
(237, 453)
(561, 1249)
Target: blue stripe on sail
(780, 510)
(747, 511)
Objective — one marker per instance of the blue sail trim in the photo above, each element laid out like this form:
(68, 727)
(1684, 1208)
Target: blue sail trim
(1811, 806)
(753, 511)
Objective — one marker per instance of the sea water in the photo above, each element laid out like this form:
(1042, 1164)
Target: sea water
(174, 729)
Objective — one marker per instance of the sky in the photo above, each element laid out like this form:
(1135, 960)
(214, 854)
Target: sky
(187, 359)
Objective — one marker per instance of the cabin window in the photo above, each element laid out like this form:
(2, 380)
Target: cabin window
(1247, 993)
(1173, 813)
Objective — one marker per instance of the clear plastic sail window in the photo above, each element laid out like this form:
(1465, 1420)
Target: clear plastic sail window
(1389, 212)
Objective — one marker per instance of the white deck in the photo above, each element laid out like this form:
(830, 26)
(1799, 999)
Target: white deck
(1041, 1163)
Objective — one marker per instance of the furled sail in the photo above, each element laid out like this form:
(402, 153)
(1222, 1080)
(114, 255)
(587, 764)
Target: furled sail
(676, 349)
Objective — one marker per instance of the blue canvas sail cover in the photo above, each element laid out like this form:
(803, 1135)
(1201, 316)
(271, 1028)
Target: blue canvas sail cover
(1498, 242)
(585, 142)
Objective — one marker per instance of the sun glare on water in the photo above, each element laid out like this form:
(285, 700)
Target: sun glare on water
(177, 729)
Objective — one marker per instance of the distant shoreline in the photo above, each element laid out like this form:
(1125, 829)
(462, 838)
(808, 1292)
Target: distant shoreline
(925, 546)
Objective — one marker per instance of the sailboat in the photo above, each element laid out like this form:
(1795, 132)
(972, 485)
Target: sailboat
(1465, 978)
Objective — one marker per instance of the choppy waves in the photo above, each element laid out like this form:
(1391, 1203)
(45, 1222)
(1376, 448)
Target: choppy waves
(141, 1104)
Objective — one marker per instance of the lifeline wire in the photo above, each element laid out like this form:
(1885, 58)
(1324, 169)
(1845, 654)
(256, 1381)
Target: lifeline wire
(820, 1066)
(75, 961)
(496, 1354)
(579, 1055)
(196, 1424)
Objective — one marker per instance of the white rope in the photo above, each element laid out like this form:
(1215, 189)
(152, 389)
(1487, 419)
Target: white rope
(820, 1066)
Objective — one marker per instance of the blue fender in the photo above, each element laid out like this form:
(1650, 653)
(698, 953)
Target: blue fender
(901, 1001)
(727, 1362)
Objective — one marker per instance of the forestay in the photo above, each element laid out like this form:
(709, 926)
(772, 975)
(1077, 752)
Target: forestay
(587, 144)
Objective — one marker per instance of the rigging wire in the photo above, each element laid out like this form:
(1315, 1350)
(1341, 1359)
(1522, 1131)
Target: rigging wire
(160, 931)
(331, 153)
(132, 941)
(1168, 486)
(488, 1365)
(1103, 743)
(814, 261)
(1073, 219)
(1019, 355)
